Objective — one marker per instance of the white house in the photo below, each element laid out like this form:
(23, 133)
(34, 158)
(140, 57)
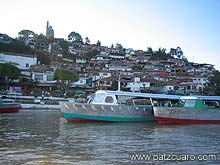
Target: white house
(117, 56)
(200, 80)
(43, 77)
(101, 75)
(137, 85)
(81, 82)
(167, 88)
(21, 61)
(81, 60)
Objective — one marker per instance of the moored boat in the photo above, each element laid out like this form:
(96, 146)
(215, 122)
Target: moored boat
(110, 106)
(9, 108)
(190, 110)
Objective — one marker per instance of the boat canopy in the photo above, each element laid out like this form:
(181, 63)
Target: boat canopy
(158, 96)
(189, 98)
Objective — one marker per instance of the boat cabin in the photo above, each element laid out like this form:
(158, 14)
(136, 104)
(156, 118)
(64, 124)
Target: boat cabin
(197, 103)
(117, 98)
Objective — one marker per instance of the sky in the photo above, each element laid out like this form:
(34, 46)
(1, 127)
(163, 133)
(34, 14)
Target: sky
(193, 25)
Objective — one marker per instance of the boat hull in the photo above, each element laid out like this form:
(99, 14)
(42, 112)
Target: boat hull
(9, 108)
(112, 113)
(186, 115)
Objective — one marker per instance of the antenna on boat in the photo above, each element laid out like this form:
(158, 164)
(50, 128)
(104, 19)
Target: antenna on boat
(119, 82)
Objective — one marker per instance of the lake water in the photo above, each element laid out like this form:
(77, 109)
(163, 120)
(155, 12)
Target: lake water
(44, 137)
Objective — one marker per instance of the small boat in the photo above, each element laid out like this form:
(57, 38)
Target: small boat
(113, 106)
(189, 110)
(9, 107)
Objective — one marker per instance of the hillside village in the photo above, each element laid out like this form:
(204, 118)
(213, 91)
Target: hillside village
(100, 67)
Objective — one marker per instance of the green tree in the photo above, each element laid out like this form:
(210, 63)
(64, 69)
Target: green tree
(160, 55)
(98, 43)
(40, 38)
(65, 47)
(11, 71)
(118, 46)
(25, 35)
(50, 39)
(149, 50)
(65, 78)
(87, 40)
(16, 46)
(176, 52)
(91, 54)
(75, 37)
(213, 86)
(114, 85)
(8, 72)
(43, 58)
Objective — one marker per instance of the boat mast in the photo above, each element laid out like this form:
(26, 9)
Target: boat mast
(119, 82)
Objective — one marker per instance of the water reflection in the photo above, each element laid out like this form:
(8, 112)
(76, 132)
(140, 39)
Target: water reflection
(44, 137)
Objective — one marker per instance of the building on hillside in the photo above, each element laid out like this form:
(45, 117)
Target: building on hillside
(42, 74)
(137, 85)
(21, 61)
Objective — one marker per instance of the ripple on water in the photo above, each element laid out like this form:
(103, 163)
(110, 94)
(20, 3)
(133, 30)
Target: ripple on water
(42, 137)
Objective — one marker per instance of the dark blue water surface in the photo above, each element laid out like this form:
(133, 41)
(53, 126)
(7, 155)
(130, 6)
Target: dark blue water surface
(44, 137)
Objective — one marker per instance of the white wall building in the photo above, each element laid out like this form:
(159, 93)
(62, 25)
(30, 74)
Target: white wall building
(137, 85)
(21, 61)
(43, 77)
(101, 75)
(81, 82)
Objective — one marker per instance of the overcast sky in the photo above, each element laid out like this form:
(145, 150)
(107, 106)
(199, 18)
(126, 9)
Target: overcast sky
(193, 25)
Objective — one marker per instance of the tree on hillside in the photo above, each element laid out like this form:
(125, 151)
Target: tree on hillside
(91, 54)
(26, 35)
(8, 72)
(98, 43)
(65, 47)
(43, 58)
(75, 37)
(162, 50)
(213, 86)
(176, 52)
(11, 71)
(159, 55)
(50, 39)
(118, 46)
(114, 85)
(40, 38)
(65, 78)
(87, 40)
(16, 46)
(149, 50)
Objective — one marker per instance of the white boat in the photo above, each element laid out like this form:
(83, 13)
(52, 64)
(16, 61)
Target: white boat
(110, 106)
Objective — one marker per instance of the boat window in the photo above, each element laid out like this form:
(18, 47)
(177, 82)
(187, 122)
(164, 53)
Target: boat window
(99, 97)
(141, 102)
(190, 103)
(127, 102)
(212, 104)
(109, 99)
(163, 103)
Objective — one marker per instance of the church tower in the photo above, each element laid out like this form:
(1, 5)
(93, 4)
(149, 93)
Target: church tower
(49, 30)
